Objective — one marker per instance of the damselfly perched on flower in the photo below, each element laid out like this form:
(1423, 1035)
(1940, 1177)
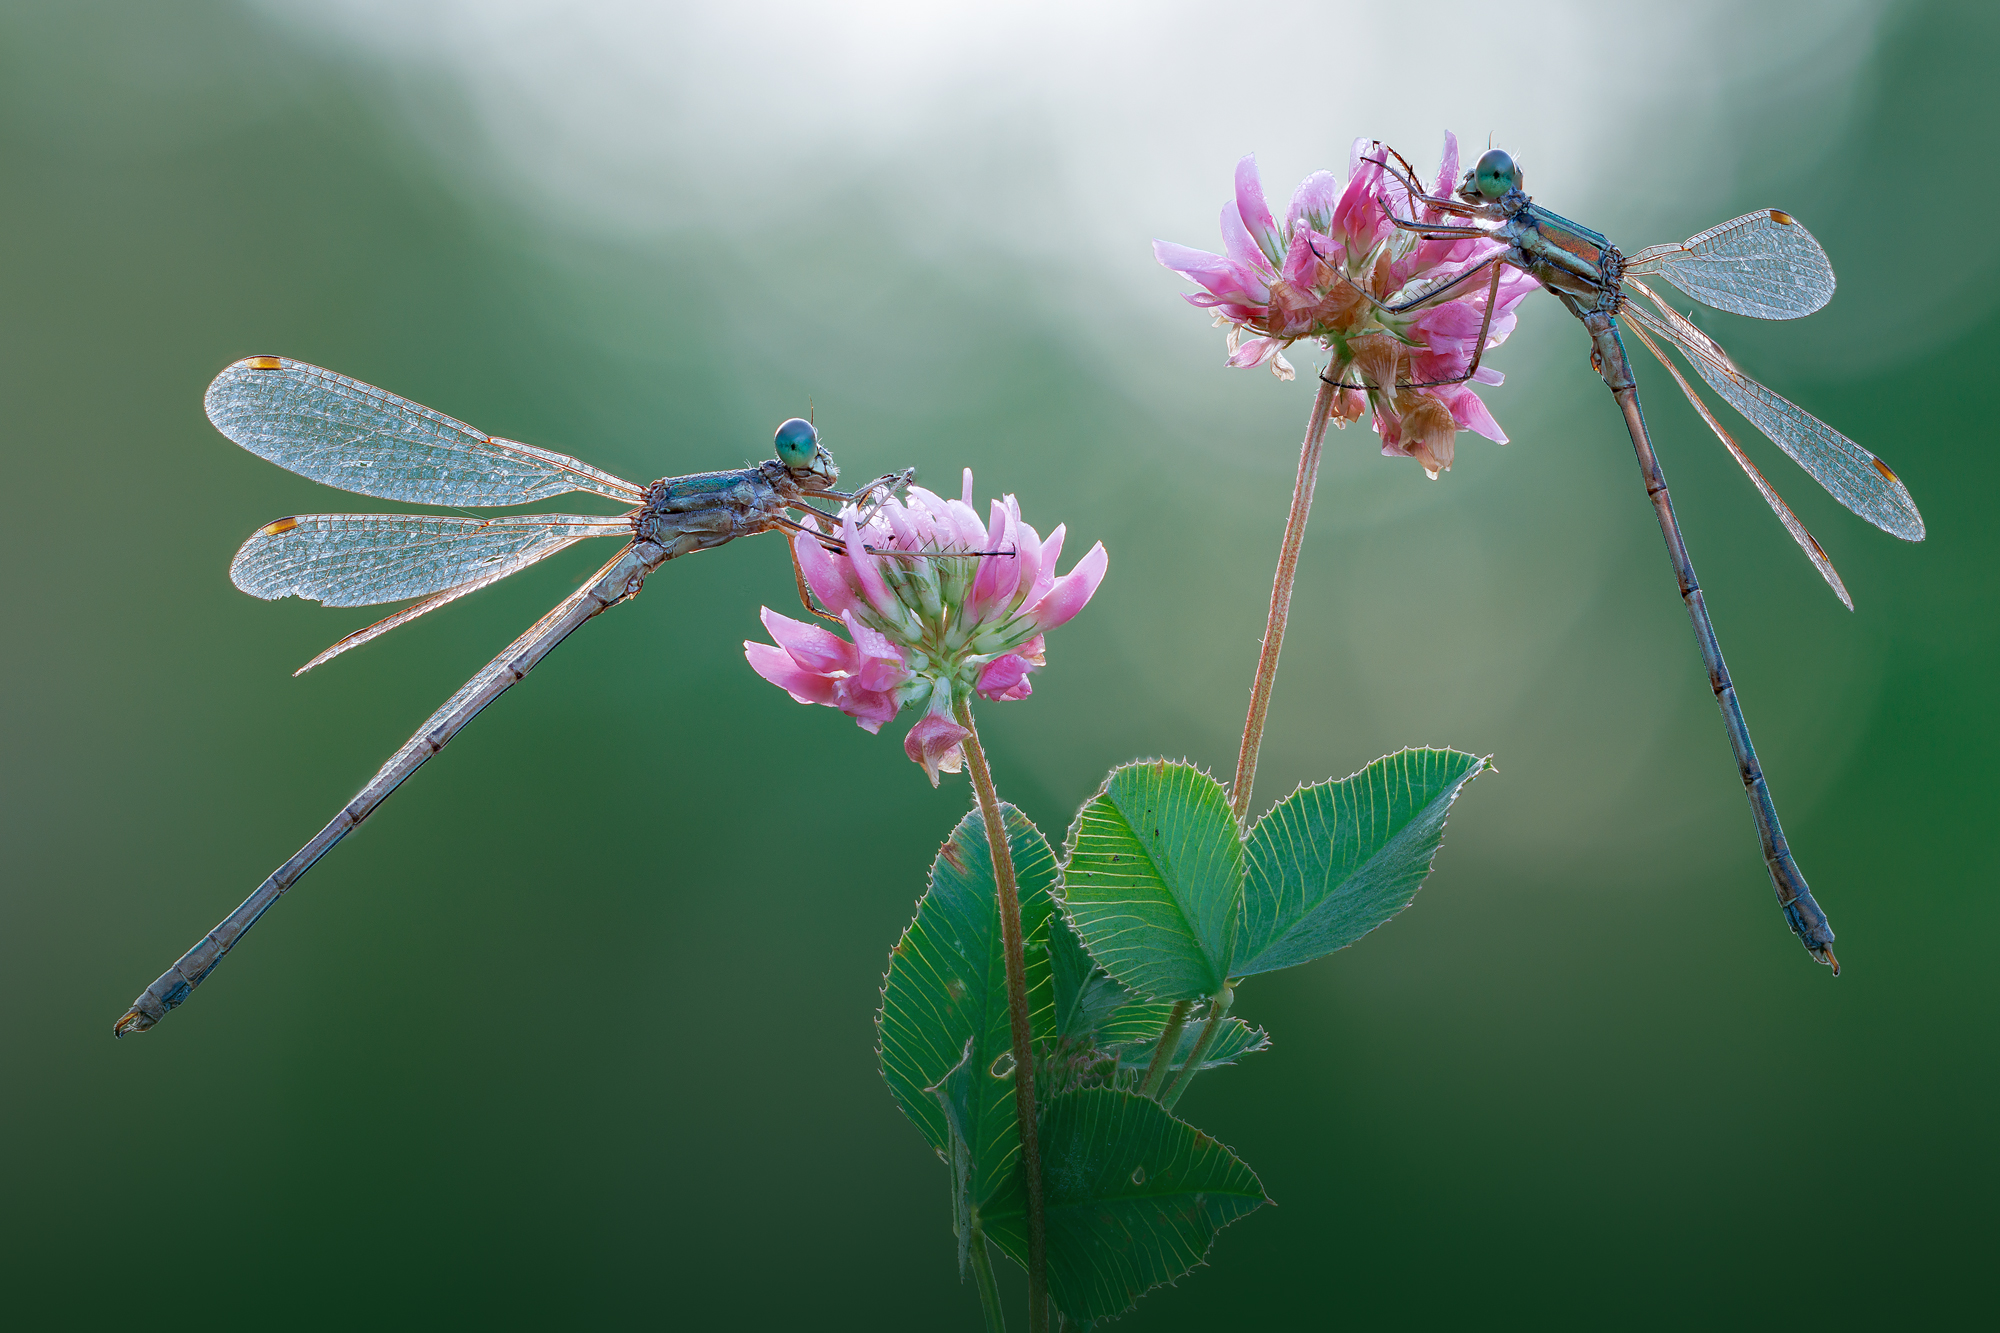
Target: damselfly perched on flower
(1763, 264)
(361, 439)
(1326, 274)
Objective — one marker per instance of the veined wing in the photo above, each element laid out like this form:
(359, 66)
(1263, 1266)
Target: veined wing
(1850, 473)
(1763, 264)
(1814, 552)
(361, 559)
(366, 440)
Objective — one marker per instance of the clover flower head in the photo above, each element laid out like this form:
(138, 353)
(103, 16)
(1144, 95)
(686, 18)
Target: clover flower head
(937, 606)
(1326, 272)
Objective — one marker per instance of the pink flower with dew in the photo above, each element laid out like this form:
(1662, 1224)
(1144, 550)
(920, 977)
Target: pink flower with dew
(1319, 274)
(929, 622)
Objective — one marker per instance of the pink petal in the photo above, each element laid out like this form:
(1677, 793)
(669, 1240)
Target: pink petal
(1447, 179)
(869, 708)
(776, 665)
(1239, 244)
(1028, 547)
(867, 572)
(1073, 590)
(1006, 678)
(1187, 261)
(998, 575)
(1301, 262)
(934, 743)
(936, 507)
(1198, 265)
(1313, 202)
(1468, 411)
(1253, 352)
(908, 535)
(1453, 319)
(1045, 577)
(971, 533)
(878, 663)
(1255, 210)
(826, 574)
(1359, 215)
(813, 648)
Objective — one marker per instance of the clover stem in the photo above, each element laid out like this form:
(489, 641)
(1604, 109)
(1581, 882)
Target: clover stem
(1163, 1054)
(1218, 1009)
(1017, 1013)
(1281, 599)
(982, 1273)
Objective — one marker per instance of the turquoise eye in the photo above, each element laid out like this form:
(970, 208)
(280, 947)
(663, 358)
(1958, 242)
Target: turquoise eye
(797, 444)
(1495, 175)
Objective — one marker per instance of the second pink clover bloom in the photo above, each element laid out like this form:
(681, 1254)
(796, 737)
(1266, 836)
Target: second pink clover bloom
(1320, 275)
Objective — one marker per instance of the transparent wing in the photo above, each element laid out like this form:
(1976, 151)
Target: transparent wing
(361, 559)
(404, 615)
(1814, 552)
(363, 439)
(1763, 264)
(1851, 475)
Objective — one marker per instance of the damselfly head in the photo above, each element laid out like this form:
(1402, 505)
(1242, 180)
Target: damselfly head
(1491, 177)
(799, 449)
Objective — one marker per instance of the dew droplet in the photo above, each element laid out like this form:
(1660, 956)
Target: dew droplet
(1003, 1065)
(1138, 1175)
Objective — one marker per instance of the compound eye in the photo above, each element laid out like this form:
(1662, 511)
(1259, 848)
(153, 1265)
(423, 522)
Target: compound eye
(797, 443)
(1495, 175)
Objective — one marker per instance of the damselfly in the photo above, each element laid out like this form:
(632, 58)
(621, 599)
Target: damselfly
(362, 439)
(1763, 264)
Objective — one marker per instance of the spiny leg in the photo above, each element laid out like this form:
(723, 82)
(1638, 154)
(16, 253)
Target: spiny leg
(805, 593)
(1441, 290)
(1485, 326)
(1407, 178)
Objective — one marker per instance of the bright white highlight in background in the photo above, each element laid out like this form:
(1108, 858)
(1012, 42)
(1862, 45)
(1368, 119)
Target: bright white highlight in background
(641, 118)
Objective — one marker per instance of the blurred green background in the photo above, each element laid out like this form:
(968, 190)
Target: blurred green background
(577, 1032)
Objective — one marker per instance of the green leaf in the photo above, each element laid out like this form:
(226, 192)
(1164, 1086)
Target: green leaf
(1154, 881)
(1234, 1039)
(1142, 1021)
(1084, 995)
(1132, 1197)
(947, 986)
(1335, 860)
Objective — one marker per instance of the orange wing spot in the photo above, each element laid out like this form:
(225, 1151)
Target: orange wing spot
(281, 526)
(1883, 468)
(264, 363)
(1782, 219)
(1817, 549)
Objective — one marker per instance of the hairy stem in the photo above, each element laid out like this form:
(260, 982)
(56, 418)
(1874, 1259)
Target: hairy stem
(1163, 1054)
(982, 1273)
(1017, 1013)
(1281, 599)
(1218, 1009)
